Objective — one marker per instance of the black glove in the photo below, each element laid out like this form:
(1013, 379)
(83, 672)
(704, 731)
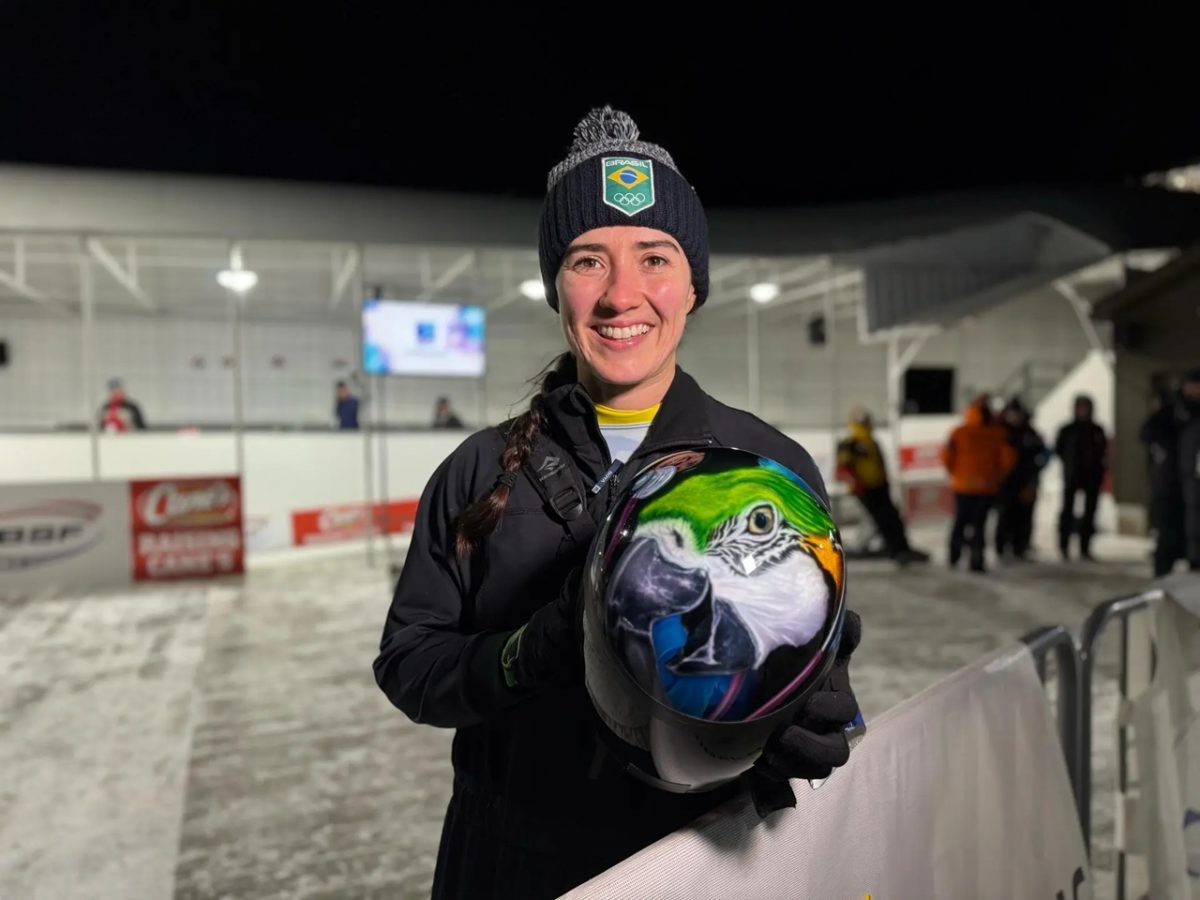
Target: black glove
(548, 649)
(815, 743)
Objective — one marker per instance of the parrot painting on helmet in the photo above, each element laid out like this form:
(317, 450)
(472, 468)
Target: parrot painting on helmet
(726, 588)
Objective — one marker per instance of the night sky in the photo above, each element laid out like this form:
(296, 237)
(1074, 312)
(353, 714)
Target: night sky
(766, 110)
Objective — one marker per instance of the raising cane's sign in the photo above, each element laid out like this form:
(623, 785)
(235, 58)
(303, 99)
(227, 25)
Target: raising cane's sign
(186, 527)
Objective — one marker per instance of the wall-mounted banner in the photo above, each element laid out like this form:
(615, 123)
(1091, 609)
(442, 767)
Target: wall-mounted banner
(921, 456)
(348, 521)
(928, 501)
(186, 527)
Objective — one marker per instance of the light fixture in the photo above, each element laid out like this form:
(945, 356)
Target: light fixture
(764, 292)
(237, 278)
(533, 289)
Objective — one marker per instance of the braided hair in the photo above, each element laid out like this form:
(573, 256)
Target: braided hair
(482, 517)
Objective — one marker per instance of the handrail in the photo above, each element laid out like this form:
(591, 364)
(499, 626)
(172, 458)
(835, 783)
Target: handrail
(1057, 639)
(1120, 608)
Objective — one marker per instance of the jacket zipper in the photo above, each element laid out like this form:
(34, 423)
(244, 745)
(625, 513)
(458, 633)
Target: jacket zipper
(614, 482)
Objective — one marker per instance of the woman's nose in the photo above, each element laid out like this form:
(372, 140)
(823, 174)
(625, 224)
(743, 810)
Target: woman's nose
(624, 289)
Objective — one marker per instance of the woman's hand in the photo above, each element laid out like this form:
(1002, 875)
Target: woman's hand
(815, 743)
(548, 649)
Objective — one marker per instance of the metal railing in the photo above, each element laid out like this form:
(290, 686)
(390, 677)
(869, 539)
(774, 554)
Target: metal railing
(1120, 609)
(1058, 640)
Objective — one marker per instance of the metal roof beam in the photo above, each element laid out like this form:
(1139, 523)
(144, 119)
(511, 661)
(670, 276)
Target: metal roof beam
(342, 277)
(127, 279)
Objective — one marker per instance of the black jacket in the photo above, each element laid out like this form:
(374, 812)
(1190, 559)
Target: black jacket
(1031, 455)
(1082, 446)
(1160, 434)
(533, 763)
(1189, 476)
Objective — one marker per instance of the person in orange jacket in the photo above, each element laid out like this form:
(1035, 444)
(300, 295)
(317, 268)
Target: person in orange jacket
(978, 457)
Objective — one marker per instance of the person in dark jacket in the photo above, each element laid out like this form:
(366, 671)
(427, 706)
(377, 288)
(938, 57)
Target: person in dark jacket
(444, 415)
(1082, 446)
(861, 465)
(1018, 494)
(484, 630)
(1189, 464)
(345, 408)
(1160, 434)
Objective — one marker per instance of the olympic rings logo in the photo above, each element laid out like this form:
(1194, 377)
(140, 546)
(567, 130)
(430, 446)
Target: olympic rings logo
(630, 199)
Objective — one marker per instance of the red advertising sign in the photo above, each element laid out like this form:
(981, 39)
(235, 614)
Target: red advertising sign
(186, 527)
(920, 456)
(928, 501)
(348, 521)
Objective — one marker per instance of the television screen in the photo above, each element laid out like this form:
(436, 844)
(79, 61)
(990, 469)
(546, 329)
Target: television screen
(407, 338)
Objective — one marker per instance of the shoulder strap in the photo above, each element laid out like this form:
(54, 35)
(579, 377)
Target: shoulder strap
(554, 476)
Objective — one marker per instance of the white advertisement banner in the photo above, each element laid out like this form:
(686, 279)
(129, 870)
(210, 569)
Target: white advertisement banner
(960, 792)
(65, 534)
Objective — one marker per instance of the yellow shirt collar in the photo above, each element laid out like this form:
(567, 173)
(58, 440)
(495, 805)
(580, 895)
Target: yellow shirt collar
(606, 415)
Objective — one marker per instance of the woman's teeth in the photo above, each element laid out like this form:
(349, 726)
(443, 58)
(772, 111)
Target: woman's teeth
(622, 334)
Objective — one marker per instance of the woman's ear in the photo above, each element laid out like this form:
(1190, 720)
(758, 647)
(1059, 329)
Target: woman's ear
(691, 299)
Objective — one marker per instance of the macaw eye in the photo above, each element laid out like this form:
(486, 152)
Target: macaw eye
(762, 519)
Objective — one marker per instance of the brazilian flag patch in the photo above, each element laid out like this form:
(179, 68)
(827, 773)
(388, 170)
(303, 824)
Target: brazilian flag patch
(628, 183)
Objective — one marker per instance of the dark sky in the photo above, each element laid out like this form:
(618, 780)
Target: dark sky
(764, 110)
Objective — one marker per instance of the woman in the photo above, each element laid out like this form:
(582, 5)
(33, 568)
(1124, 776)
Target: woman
(484, 630)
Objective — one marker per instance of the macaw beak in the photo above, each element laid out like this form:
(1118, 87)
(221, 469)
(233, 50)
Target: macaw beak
(647, 587)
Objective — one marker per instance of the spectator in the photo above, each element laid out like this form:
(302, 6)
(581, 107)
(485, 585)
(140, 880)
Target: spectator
(1018, 493)
(444, 416)
(861, 465)
(119, 413)
(1160, 433)
(1189, 464)
(978, 457)
(1081, 445)
(346, 408)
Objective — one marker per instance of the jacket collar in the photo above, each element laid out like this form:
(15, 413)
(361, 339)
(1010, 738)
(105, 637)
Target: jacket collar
(682, 418)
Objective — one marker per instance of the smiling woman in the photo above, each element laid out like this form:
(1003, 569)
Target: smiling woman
(485, 628)
(624, 294)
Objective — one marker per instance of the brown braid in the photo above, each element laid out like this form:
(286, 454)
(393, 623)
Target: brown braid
(482, 517)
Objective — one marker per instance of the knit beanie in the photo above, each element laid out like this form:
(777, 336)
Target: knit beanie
(610, 177)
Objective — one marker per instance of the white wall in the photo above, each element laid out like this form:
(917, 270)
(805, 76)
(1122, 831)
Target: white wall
(286, 473)
(1039, 328)
(178, 371)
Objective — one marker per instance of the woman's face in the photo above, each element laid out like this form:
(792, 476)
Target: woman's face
(624, 294)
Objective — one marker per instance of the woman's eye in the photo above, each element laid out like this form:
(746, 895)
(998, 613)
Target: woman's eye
(585, 262)
(656, 262)
(762, 519)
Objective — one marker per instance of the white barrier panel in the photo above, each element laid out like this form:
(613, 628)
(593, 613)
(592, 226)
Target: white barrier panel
(291, 477)
(1164, 823)
(960, 792)
(70, 534)
(102, 533)
(287, 476)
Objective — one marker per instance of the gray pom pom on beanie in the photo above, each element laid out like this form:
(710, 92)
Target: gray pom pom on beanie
(610, 177)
